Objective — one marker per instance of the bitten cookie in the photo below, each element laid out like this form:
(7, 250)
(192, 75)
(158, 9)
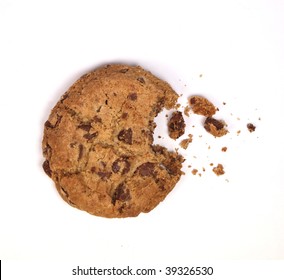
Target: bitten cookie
(98, 143)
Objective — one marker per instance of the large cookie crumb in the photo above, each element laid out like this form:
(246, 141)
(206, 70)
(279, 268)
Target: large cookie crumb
(176, 125)
(215, 127)
(219, 170)
(202, 106)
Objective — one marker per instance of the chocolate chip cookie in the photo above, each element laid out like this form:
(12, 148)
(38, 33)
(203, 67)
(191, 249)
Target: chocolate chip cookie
(98, 143)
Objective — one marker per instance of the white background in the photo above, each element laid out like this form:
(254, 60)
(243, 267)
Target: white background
(228, 51)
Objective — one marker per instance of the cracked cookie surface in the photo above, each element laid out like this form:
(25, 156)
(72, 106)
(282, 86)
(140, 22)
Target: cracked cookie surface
(98, 143)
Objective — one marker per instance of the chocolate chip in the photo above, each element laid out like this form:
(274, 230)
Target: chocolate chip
(85, 126)
(48, 124)
(124, 70)
(115, 166)
(146, 169)
(125, 136)
(81, 149)
(97, 119)
(89, 136)
(141, 80)
(121, 193)
(124, 115)
(121, 164)
(73, 144)
(71, 112)
(104, 175)
(192, 100)
(132, 96)
(219, 125)
(46, 168)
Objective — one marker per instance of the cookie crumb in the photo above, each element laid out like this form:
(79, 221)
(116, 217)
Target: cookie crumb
(176, 125)
(194, 171)
(185, 142)
(186, 111)
(219, 169)
(202, 106)
(224, 149)
(251, 127)
(215, 127)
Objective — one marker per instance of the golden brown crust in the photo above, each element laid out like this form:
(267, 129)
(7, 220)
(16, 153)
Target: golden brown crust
(98, 143)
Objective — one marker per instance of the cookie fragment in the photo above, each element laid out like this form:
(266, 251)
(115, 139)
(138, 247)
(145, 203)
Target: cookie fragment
(224, 149)
(176, 125)
(185, 142)
(215, 127)
(194, 171)
(202, 106)
(251, 127)
(219, 169)
(186, 111)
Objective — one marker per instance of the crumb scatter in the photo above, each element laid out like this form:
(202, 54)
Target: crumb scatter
(224, 149)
